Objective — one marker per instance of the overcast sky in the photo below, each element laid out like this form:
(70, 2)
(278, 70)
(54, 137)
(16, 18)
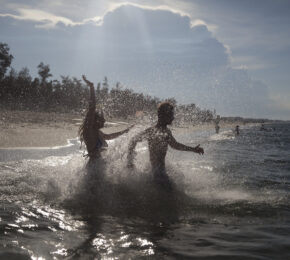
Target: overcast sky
(230, 55)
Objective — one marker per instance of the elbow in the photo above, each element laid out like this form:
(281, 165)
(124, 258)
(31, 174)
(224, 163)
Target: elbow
(175, 146)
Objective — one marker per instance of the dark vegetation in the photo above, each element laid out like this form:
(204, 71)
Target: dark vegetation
(19, 90)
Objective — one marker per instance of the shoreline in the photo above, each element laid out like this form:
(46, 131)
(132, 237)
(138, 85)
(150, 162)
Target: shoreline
(38, 136)
(20, 129)
(26, 129)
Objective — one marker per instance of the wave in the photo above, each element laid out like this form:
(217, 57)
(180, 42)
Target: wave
(110, 189)
(224, 135)
(65, 182)
(277, 161)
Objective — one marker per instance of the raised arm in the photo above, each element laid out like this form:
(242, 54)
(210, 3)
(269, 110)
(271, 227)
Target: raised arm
(131, 148)
(92, 101)
(181, 147)
(117, 134)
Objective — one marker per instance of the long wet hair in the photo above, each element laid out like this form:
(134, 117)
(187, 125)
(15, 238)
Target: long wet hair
(84, 127)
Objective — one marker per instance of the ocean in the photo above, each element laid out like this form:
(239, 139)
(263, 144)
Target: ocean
(230, 203)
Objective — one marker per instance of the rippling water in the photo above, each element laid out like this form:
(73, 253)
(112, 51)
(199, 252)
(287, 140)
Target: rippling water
(231, 203)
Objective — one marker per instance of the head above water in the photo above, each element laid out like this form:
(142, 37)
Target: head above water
(165, 113)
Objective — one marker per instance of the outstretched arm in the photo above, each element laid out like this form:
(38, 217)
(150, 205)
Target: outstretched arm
(181, 147)
(117, 134)
(131, 148)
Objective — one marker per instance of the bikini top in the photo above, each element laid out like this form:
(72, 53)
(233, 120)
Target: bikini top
(101, 145)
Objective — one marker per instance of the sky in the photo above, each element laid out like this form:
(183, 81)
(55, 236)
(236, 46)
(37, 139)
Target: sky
(228, 55)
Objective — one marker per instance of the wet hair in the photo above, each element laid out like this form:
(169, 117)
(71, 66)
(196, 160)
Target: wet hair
(85, 124)
(164, 109)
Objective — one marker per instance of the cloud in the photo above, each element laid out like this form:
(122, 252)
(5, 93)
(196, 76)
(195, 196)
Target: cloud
(43, 19)
(198, 22)
(280, 103)
(50, 19)
(248, 63)
(260, 27)
(47, 20)
(155, 50)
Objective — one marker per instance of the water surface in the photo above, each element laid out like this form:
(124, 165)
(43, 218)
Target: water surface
(231, 203)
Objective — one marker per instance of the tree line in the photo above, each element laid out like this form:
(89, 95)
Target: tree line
(19, 90)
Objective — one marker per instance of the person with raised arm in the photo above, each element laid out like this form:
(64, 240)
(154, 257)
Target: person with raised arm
(90, 130)
(159, 137)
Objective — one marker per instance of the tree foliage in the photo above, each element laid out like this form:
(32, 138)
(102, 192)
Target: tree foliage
(43, 71)
(5, 59)
(21, 91)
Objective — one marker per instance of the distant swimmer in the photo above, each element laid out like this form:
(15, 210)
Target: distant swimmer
(263, 128)
(267, 129)
(158, 138)
(217, 129)
(216, 122)
(237, 130)
(90, 132)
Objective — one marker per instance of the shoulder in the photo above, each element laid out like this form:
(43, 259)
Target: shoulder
(147, 132)
(169, 134)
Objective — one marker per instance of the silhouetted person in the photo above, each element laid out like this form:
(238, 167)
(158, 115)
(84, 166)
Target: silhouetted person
(90, 132)
(159, 137)
(263, 128)
(237, 130)
(217, 127)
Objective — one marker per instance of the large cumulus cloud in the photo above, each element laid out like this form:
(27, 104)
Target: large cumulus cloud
(153, 51)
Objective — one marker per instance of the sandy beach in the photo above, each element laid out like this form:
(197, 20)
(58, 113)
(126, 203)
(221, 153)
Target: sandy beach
(41, 129)
(47, 129)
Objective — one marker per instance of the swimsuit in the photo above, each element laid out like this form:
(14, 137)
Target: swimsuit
(96, 152)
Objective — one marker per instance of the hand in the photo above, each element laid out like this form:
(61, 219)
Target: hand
(198, 149)
(84, 78)
(87, 81)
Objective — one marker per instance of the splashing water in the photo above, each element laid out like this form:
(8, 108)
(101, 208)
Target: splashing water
(53, 207)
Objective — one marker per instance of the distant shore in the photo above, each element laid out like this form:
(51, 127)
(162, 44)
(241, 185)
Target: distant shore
(41, 129)
(48, 129)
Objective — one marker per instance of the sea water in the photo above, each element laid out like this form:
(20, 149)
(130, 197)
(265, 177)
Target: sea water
(230, 203)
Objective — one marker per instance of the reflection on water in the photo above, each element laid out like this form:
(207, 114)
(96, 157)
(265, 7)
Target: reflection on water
(231, 203)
